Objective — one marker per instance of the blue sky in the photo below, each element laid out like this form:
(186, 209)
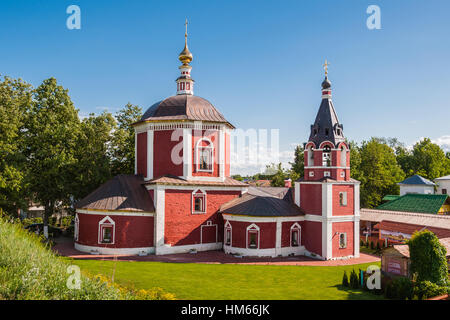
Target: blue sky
(258, 62)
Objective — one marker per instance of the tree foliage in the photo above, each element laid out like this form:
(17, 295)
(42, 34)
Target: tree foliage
(428, 258)
(378, 171)
(123, 140)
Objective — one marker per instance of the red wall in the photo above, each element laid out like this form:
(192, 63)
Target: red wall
(267, 234)
(130, 232)
(339, 210)
(182, 227)
(142, 153)
(312, 236)
(311, 198)
(162, 153)
(347, 227)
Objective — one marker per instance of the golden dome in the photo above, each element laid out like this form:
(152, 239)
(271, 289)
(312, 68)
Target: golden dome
(185, 56)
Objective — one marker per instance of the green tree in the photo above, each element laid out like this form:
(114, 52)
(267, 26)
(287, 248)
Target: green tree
(15, 101)
(378, 172)
(428, 258)
(429, 160)
(123, 140)
(53, 129)
(355, 160)
(278, 178)
(93, 153)
(298, 166)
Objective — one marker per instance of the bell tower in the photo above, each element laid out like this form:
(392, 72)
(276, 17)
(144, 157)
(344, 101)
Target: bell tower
(327, 193)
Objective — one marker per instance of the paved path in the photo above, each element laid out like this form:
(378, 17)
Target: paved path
(65, 248)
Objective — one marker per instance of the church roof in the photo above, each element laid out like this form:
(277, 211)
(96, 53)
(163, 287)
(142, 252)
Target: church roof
(121, 193)
(258, 202)
(417, 180)
(443, 178)
(174, 180)
(326, 127)
(184, 107)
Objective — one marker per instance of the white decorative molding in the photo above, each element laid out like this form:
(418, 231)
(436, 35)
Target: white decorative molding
(231, 217)
(187, 153)
(193, 187)
(168, 249)
(105, 223)
(271, 252)
(222, 153)
(116, 213)
(150, 146)
(162, 126)
(159, 202)
(114, 251)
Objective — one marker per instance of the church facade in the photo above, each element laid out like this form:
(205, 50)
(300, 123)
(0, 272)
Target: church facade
(183, 199)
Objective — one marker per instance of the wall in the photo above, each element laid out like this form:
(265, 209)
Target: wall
(141, 156)
(184, 228)
(267, 234)
(404, 189)
(311, 198)
(313, 236)
(286, 233)
(340, 227)
(443, 184)
(130, 231)
(339, 210)
(162, 153)
(214, 137)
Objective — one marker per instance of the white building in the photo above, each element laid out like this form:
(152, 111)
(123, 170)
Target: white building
(443, 185)
(416, 184)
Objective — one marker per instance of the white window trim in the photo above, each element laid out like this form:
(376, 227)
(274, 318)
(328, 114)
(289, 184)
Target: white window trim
(208, 224)
(102, 223)
(252, 227)
(296, 226)
(327, 174)
(346, 240)
(197, 191)
(228, 227)
(343, 156)
(344, 199)
(197, 155)
(76, 230)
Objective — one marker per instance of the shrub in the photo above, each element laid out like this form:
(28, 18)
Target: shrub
(378, 246)
(354, 283)
(427, 289)
(361, 243)
(428, 258)
(345, 280)
(402, 288)
(372, 245)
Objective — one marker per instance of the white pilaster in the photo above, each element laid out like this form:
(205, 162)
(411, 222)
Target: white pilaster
(135, 152)
(278, 238)
(150, 138)
(327, 213)
(297, 193)
(187, 153)
(222, 153)
(356, 220)
(160, 203)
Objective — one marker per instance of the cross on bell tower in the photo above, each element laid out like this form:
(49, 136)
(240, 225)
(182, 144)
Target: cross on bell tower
(185, 84)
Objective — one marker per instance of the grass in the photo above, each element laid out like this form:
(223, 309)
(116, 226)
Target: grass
(30, 270)
(227, 281)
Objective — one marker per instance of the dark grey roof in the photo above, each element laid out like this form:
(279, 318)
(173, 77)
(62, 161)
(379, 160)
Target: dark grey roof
(260, 206)
(417, 180)
(326, 127)
(278, 192)
(184, 107)
(123, 192)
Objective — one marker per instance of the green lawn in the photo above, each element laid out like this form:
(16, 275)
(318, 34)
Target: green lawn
(226, 281)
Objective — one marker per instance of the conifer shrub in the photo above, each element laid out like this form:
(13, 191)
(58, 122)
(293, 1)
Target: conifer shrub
(372, 246)
(354, 283)
(345, 282)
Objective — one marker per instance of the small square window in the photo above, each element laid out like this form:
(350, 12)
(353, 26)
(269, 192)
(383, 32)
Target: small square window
(228, 237)
(198, 202)
(326, 173)
(253, 242)
(106, 234)
(343, 198)
(311, 173)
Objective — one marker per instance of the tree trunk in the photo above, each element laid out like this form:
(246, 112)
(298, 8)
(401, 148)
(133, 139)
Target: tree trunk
(47, 213)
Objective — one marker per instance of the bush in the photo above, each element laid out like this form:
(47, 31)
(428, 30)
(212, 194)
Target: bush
(372, 245)
(361, 243)
(378, 247)
(427, 289)
(354, 283)
(428, 258)
(345, 280)
(31, 270)
(402, 288)
(28, 221)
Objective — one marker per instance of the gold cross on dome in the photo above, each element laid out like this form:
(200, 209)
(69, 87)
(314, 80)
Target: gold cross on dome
(325, 67)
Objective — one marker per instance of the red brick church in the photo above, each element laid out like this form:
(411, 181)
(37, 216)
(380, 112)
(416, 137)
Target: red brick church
(182, 198)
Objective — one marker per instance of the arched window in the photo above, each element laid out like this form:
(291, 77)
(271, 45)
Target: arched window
(326, 156)
(253, 236)
(343, 156)
(198, 201)
(343, 199)
(76, 229)
(106, 230)
(228, 233)
(296, 235)
(205, 153)
(342, 240)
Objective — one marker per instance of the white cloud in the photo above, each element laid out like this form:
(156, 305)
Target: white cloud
(443, 142)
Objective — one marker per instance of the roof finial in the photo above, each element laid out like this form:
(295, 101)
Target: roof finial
(185, 56)
(325, 67)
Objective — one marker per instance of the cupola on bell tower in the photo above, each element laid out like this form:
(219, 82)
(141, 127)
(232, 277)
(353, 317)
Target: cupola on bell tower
(185, 84)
